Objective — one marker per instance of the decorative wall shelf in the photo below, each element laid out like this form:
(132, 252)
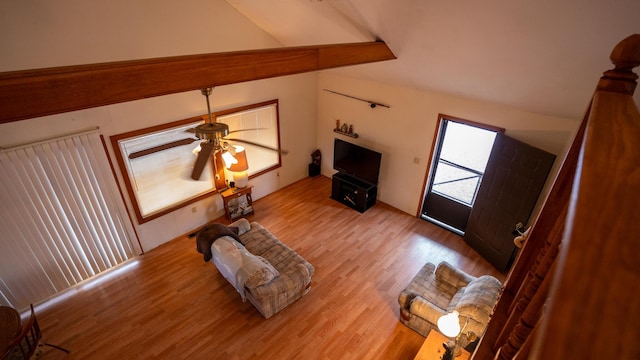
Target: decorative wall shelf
(352, 134)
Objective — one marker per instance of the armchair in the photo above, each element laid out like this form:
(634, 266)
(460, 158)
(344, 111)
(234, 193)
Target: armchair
(434, 292)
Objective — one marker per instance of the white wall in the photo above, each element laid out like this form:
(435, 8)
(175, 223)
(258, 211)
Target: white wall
(43, 33)
(40, 33)
(406, 130)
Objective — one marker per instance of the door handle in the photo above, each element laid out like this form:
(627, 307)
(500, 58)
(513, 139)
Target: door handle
(519, 230)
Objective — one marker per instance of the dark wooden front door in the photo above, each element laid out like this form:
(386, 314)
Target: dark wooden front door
(512, 182)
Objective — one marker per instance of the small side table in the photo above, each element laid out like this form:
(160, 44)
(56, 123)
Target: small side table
(432, 348)
(237, 202)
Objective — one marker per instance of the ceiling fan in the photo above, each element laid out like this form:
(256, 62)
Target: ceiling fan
(212, 136)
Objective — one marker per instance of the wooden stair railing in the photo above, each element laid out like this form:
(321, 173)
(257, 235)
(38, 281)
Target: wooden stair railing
(574, 291)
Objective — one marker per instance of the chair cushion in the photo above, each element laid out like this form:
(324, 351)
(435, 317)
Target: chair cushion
(450, 275)
(476, 301)
(478, 298)
(256, 270)
(426, 310)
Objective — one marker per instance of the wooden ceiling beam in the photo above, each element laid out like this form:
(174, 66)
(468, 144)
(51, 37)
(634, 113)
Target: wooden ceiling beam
(32, 93)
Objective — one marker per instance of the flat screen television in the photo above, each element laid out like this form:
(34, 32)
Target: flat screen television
(356, 161)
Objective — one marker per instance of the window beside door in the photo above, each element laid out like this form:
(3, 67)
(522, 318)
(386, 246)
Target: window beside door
(460, 157)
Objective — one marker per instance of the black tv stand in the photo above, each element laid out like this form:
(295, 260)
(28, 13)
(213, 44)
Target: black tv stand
(353, 192)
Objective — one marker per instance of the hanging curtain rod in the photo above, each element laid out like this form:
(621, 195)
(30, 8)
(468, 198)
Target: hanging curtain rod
(52, 138)
(372, 104)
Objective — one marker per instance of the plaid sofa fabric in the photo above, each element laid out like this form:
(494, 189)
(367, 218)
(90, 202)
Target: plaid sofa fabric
(295, 272)
(434, 292)
(476, 302)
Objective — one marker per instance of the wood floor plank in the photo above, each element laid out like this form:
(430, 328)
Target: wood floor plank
(169, 304)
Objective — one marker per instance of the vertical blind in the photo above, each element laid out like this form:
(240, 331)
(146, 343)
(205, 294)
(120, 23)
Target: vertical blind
(62, 219)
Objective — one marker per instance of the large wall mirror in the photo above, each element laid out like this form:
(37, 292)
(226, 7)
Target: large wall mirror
(156, 162)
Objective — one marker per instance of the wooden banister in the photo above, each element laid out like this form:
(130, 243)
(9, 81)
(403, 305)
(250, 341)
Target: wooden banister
(593, 211)
(546, 232)
(595, 297)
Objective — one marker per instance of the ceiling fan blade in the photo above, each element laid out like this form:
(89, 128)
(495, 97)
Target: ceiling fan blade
(201, 161)
(284, 152)
(162, 147)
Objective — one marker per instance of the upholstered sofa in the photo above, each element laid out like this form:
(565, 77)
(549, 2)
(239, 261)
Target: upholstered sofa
(434, 292)
(263, 270)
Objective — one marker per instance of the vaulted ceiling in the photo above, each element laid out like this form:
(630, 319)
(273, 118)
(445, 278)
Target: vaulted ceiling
(540, 56)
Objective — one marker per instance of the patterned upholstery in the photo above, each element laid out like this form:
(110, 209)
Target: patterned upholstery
(295, 272)
(436, 292)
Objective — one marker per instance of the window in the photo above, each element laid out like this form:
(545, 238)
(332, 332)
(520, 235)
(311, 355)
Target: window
(160, 182)
(463, 157)
(257, 128)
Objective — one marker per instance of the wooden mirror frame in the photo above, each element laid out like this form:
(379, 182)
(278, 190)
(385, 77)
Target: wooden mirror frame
(212, 183)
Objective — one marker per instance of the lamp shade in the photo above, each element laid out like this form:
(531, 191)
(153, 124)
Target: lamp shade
(449, 325)
(240, 163)
(228, 159)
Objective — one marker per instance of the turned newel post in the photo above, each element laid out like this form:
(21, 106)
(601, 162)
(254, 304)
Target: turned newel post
(625, 56)
(594, 299)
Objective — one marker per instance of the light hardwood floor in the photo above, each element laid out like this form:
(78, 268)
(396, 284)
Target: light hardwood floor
(170, 304)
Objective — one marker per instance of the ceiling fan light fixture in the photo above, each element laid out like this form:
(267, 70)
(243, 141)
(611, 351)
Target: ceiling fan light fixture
(197, 150)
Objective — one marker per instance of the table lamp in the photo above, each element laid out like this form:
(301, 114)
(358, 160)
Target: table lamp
(238, 165)
(449, 326)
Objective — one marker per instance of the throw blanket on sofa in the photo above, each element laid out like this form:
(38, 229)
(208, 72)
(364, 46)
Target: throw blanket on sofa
(262, 269)
(211, 233)
(240, 267)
